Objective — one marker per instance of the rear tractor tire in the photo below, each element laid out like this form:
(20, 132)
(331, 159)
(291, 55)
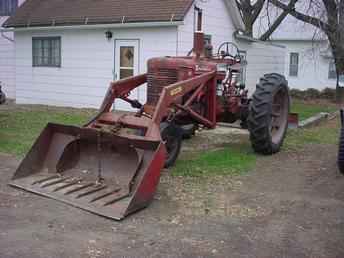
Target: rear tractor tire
(268, 116)
(340, 157)
(172, 136)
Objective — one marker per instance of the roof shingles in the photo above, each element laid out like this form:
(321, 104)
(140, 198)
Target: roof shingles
(74, 12)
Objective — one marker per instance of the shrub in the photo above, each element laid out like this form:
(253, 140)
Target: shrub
(328, 93)
(296, 93)
(312, 93)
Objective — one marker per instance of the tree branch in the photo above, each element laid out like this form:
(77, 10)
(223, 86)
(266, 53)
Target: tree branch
(238, 4)
(257, 8)
(332, 14)
(303, 17)
(278, 21)
(341, 14)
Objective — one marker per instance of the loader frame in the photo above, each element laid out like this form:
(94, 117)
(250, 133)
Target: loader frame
(166, 105)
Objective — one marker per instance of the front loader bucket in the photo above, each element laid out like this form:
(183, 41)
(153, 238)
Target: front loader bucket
(96, 171)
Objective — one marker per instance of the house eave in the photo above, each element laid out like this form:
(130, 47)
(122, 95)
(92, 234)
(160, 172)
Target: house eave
(96, 26)
(241, 37)
(299, 39)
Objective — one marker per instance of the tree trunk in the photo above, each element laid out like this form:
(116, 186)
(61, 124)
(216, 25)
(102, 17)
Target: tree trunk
(338, 53)
(249, 29)
(339, 61)
(335, 35)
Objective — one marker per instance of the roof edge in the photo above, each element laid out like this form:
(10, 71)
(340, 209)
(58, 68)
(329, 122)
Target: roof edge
(97, 26)
(298, 39)
(249, 39)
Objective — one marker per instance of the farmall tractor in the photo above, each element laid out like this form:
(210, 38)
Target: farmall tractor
(112, 165)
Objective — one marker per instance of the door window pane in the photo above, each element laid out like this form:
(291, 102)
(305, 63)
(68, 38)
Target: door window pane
(124, 73)
(294, 64)
(126, 62)
(127, 57)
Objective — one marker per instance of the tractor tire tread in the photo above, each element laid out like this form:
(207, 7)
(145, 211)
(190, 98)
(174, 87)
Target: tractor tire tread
(260, 110)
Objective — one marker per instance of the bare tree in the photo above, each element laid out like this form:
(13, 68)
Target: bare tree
(251, 10)
(327, 16)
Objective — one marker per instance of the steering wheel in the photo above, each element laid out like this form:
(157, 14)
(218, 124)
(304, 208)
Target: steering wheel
(227, 49)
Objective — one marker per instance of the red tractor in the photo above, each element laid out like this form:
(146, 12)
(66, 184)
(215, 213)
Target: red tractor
(206, 89)
(112, 165)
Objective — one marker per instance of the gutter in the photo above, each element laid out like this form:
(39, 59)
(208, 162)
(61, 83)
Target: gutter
(96, 26)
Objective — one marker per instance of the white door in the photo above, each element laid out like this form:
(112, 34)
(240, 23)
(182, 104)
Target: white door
(126, 65)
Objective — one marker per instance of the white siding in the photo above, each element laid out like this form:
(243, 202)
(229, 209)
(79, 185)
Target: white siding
(87, 65)
(7, 62)
(216, 22)
(313, 67)
(262, 58)
(7, 67)
(88, 58)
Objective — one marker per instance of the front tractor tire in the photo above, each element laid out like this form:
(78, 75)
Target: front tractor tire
(171, 135)
(268, 115)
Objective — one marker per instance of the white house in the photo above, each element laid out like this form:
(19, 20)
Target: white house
(7, 53)
(67, 52)
(309, 62)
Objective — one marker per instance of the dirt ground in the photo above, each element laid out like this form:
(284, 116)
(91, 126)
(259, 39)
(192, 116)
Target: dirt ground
(291, 205)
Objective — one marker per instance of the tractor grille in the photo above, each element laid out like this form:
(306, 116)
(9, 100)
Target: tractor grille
(157, 80)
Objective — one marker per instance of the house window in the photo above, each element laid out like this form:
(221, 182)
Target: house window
(8, 7)
(243, 55)
(46, 51)
(207, 40)
(332, 74)
(294, 64)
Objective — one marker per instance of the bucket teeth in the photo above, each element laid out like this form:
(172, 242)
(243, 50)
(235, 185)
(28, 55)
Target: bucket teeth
(91, 191)
(73, 182)
(103, 173)
(116, 199)
(105, 194)
(46, 179)
(78, 188)
(55, 182)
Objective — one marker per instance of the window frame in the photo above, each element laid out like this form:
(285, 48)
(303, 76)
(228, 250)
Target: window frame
(131, 68)
(292, 66)
(50, 56)
(8, 11)
(208, 37)
(332, 74)
(243, 56)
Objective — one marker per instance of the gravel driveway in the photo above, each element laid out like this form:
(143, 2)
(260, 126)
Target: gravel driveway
(291, 205)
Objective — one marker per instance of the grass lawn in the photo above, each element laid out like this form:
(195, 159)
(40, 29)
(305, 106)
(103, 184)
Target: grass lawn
(20, 127)
(233, 159)
(325, 133)
(306, 109)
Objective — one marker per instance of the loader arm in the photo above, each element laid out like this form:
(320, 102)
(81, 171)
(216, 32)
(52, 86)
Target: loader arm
(120, 89)
(172, 93)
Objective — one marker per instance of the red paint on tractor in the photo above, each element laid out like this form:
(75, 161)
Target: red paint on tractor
(112, 165)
